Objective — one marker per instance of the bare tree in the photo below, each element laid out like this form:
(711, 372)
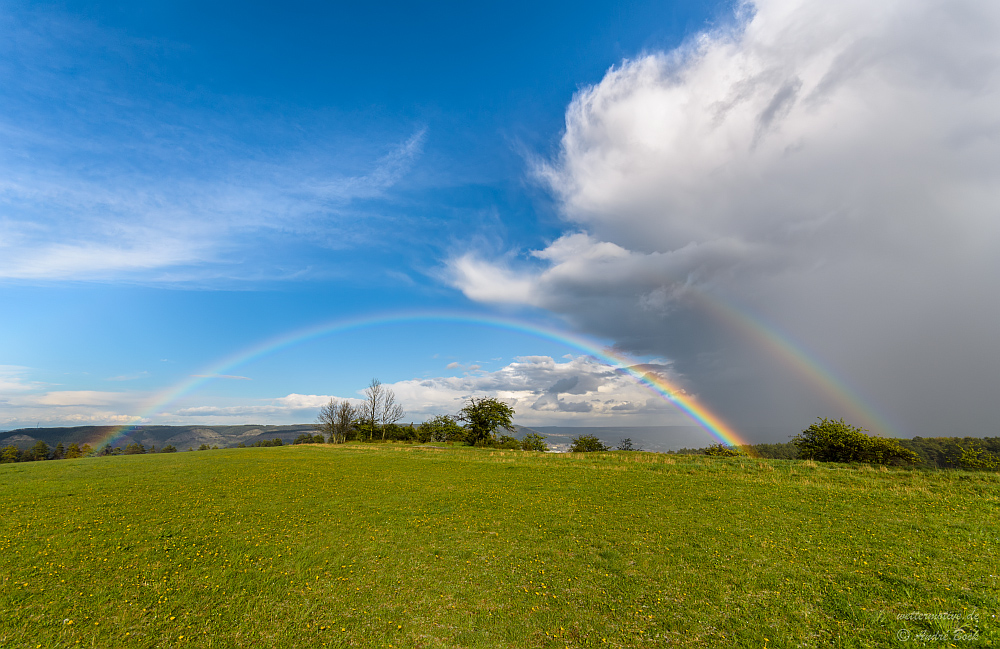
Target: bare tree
(326, 421)
(391, 411)
(371, 409)
(335, 419)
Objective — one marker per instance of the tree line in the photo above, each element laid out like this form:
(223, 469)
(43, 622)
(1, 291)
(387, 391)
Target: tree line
(375, 419)
(42, 451)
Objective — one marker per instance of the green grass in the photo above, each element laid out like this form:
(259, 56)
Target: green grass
(378, 546)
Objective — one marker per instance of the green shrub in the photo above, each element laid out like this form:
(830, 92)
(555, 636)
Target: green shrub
(534, 442)
(978, 458)
(587, 444)
(835, 441)
(506, 441)
(721, 450)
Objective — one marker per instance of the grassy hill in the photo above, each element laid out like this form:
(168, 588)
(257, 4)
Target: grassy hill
(408, 546)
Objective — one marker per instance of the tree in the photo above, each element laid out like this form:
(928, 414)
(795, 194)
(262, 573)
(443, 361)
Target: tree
(391, 411)
(371, 409)
(40, 451)
(9, 454)
(59, 453)
(335, 420)
(483, 417)
(86, 450)
(73, 451)
(587, 444)
(135, 448)
(835, 441)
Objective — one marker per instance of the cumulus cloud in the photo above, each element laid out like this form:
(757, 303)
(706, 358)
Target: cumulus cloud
(828, 171)
(545, 391)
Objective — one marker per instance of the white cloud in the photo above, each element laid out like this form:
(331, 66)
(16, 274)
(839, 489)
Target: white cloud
(543, 391)
(832, 168)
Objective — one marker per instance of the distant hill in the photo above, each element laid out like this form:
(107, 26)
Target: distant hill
(649, 438)
(180, 436)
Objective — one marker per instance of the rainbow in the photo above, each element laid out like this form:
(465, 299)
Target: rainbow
(698, 413)
(781, 346)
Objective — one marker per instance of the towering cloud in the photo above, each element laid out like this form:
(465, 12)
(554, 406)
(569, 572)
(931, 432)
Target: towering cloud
(827, 172)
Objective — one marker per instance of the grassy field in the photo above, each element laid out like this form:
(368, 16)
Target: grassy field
(402, 546)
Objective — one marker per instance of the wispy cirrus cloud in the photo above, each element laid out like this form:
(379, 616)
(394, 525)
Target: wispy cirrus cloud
(106, 178)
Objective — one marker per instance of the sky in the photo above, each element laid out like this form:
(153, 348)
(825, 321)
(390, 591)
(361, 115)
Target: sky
(223, 213)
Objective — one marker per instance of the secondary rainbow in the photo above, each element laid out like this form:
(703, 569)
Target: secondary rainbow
(791, 354)
(697, 412)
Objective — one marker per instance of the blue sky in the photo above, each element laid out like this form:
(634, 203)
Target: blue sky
(181, 181)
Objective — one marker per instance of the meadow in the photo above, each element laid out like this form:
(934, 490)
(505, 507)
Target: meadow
(408, 546)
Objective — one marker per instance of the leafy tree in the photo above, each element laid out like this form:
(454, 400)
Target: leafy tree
(10, 453)
(442, 428)
(73, 451)
(587, 444)
(135, 448)
(835, 441)
(169, 448)
(60, 452)
(204, 447)
(483, 417)
(40, 451)
(86, 450)
(534, 442)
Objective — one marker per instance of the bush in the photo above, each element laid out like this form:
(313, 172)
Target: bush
(834, 441)
(534, 442)
(587, 444)
(721, 450)
(169, 448)
(506, 441)
(978, 458)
